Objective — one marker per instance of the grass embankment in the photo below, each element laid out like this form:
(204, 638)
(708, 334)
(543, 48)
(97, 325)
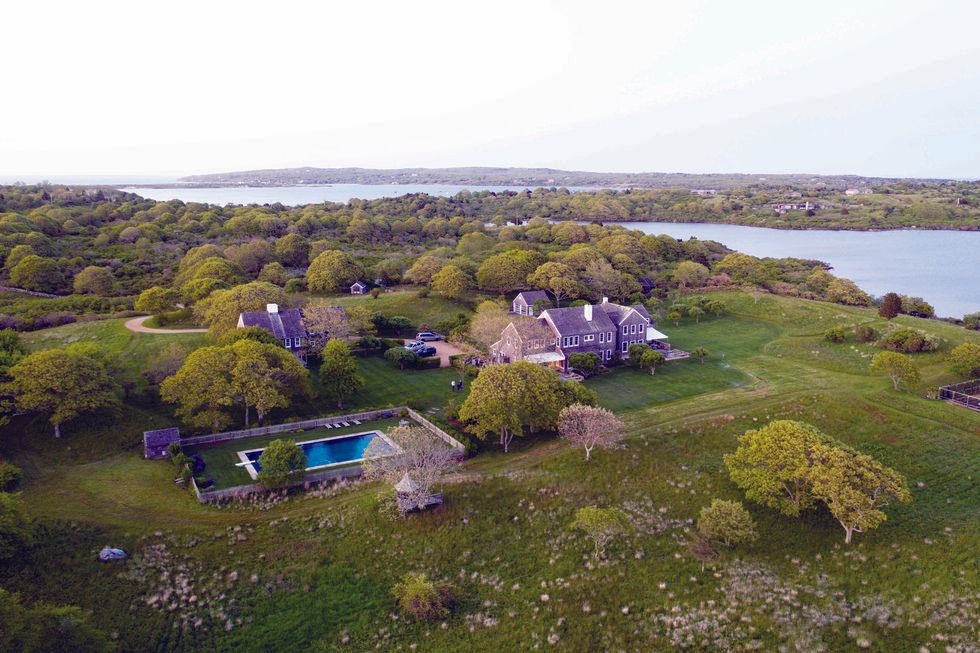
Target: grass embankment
(323, 566)
(429, 310)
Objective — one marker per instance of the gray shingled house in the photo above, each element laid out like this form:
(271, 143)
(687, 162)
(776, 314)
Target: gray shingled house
(286, 326)
(606, 329)
(523, 304)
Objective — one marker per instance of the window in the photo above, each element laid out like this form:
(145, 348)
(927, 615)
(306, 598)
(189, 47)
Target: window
(632, 328)
(602, 337)
(609, 338)
(626, 330)
(625, 346)
(508, 341)
(299, 341)
(589, 338)
(288, 342)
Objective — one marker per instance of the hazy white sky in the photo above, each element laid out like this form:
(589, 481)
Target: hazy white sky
(173, 88)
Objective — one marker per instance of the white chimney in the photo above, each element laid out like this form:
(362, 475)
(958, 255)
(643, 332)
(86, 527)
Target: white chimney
(272, 308)
(588, 312)
(605, 300)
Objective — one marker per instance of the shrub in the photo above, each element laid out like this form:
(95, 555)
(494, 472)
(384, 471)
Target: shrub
(283, 462)
(423, 292)
(16, 531)
(586, 363)
(10, 476)
(909, 341)
(423, 599)
(727, 522)
(864, 333)
(294, 285)
(964, 360)
(835, 334)
(972, 321)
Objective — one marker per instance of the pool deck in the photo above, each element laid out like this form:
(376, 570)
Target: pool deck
(223, 463)
(249, 465)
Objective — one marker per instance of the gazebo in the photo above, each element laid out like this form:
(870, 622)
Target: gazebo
(411, 497)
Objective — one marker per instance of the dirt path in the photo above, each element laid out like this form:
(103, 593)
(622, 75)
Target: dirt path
(136, 325)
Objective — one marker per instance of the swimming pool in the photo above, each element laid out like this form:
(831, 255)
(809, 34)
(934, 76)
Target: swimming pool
(323, 453)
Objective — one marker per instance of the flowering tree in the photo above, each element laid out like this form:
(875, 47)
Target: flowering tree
(589, 427)
(420, 455)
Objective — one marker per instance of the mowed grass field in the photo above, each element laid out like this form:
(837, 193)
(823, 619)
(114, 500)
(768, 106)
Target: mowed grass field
(429, 310)
(317, 571)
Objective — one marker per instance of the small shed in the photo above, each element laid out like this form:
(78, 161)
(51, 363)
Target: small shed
(155, 443)
(358, 287)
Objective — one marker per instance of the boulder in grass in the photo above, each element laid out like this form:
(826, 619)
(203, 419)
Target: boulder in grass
(107, 554)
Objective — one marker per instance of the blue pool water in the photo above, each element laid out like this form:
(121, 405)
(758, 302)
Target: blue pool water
(327, 452)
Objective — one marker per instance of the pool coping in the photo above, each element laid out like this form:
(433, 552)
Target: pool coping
(249, 465)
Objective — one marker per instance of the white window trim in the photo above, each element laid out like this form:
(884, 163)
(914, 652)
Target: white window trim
(289, 342)
(589, 338)
(626, 330)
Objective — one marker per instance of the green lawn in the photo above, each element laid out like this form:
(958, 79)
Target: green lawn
(221, 459)
(430, 310)
(324, 566)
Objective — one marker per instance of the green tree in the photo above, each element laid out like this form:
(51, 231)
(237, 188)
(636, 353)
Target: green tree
(727, 522)
(772, 465)
(895, 366)
(424, 268)
(283, 463)
(452, 282)
(266, 376)
(202, 388)
(292, 250)
(332, 271)
(220, 311)
(16, 531)
(636, 352)
(256, 333)
(61, 384)
(690, 274)
(338, 372)
(845, 291)
(94, 280)
(274, 273)
(891, 305)
(700, 353)
(964, 360)
(39, 274)
(674, 315)
(510, 400)
(557, 279)
(601, 525)
(651, 360)
(401, 357)
(587, 363)
(855, 488)
(743, 268)
(508, 271)
(156, 299)
(11, 350)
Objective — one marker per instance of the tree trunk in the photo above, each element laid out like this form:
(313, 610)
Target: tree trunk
(895, 382)
(588, 453)
(57, 429)
(246, 415)
(847, 534)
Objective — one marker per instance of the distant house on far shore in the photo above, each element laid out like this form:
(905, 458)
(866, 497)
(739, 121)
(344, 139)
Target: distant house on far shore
(359, 287)
(857, 191)
(286, 326)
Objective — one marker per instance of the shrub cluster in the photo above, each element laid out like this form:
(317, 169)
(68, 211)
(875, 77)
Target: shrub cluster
(908, 341)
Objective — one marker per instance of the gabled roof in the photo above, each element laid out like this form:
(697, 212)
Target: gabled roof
(571, 320)
(617, 312)
(284, 324)
(362, 284)
(531, 296)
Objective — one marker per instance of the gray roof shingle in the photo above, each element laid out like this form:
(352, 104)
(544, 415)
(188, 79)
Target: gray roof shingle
(571, 320)
(531, 296)
(286, 323)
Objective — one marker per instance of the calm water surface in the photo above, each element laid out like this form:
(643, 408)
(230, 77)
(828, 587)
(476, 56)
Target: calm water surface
(941, 266)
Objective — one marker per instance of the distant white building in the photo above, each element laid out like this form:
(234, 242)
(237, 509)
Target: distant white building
(857, 191)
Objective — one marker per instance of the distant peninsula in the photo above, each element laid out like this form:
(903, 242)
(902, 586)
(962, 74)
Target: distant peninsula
(538, 177)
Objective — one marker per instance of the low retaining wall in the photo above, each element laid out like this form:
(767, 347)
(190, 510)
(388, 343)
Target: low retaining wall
(209, 496)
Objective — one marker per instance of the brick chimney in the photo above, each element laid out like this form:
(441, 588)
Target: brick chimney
(588, 312)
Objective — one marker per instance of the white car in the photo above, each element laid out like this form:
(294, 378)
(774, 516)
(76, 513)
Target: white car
(428, 336)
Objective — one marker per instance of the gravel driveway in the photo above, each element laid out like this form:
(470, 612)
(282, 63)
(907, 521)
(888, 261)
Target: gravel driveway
(443, 350)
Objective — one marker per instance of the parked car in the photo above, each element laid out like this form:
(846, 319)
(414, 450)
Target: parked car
(414, 345)
(428, 336)
(426, 350)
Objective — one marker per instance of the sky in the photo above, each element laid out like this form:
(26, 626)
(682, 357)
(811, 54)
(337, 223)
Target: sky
(133, 89)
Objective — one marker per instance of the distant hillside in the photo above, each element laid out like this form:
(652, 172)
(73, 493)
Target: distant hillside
(534, 177)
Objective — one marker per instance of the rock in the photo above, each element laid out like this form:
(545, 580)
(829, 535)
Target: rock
(107, 554)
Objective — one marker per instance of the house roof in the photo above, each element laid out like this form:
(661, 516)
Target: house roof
(284, 324)
(571, 320)
(362, 284)
(531, 296)
(546, 357)
(617, 312)
(406, 484)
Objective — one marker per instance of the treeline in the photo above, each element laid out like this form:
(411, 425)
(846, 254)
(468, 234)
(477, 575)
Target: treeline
(116, 248)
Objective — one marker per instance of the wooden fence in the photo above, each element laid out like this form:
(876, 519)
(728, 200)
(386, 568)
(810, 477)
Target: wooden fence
(965, 394)
(225, 436)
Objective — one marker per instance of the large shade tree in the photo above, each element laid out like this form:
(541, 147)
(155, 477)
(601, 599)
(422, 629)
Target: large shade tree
(339, 376)
(61, 384)
(220, 311)
(332, 271)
